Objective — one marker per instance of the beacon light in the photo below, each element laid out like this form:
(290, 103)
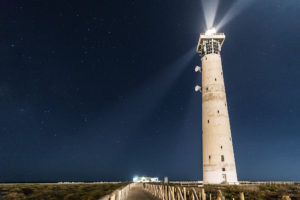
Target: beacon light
(211, 31)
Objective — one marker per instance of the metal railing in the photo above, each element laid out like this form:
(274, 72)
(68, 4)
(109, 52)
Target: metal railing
(213, 34)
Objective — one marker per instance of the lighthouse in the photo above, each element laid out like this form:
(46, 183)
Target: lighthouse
(218, 155)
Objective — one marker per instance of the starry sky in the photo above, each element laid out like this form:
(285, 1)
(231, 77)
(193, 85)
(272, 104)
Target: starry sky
(104, 90)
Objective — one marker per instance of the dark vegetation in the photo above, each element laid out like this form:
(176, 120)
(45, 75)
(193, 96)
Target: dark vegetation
(57, 191)
(256, 192)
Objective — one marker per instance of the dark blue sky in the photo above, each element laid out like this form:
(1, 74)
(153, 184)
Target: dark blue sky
(104, 90)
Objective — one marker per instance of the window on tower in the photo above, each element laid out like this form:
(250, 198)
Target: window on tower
(216, 47)
(222, 158)
(209, 47)
(223, 169)
(208, 121)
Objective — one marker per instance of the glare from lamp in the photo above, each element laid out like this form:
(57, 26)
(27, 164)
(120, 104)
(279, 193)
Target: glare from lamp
(211, 31)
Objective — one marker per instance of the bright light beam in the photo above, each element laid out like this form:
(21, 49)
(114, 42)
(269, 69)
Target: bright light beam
(156, 89)
(235, 9)
(134, 110)
(210, 8)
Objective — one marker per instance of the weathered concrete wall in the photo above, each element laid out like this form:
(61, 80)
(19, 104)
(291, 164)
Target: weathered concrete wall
(218, 155)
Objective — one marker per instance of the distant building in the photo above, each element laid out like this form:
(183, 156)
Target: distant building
(143, 179)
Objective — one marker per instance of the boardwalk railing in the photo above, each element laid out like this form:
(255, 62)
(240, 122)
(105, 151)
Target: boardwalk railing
(119, 194)
(165, 192)
(173, 192)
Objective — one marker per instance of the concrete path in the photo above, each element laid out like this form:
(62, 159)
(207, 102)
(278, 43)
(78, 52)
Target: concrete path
(138, 193)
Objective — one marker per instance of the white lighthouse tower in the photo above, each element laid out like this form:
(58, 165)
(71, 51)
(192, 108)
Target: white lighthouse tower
(218, 156)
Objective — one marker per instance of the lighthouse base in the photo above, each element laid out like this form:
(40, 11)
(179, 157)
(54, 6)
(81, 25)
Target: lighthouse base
(219, 177)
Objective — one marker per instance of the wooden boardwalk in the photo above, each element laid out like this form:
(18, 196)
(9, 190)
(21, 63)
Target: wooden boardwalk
(139, 193)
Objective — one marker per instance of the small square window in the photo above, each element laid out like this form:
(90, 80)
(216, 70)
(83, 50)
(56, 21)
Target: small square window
(223, 169)
(221, 147)
(218, 111)
(208, 121)
(222, 158)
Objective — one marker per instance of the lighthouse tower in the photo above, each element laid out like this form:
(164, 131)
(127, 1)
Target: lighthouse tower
(218, 156)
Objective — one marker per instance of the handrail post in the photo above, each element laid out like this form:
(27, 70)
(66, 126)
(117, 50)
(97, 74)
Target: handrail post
(242, 196)
(173, 193)
(220, 195)
(203, 194)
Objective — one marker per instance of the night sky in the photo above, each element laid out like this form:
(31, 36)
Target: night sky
(104, 90)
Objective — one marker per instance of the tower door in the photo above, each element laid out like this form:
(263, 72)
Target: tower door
(224, 178)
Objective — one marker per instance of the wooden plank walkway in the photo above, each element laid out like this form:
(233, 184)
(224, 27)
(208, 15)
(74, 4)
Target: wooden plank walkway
(139, 193)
